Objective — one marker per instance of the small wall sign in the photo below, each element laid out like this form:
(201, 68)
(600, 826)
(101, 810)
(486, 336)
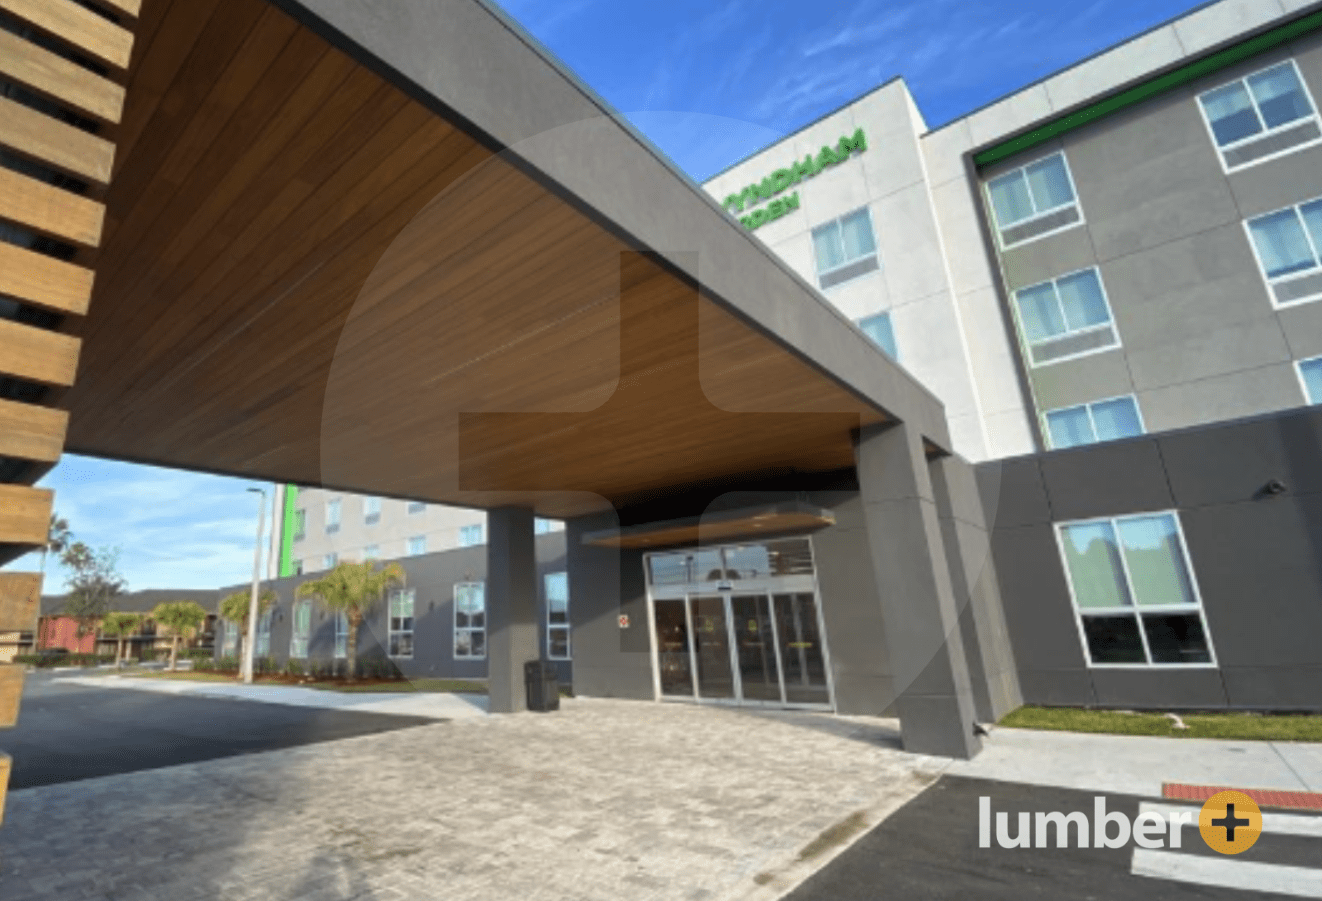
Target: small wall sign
(624, 620)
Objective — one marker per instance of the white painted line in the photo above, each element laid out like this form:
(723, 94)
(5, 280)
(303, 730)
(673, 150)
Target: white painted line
(1275, 823)
(1226, 872)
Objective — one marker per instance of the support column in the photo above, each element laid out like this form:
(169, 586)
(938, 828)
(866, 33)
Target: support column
(511, 594)
(933, 697)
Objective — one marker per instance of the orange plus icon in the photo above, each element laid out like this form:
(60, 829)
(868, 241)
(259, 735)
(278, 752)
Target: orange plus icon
(1230, 822)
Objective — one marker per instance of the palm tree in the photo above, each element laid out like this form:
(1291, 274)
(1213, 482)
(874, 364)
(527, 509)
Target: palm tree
(58, 537)
(353, 589)
(120, 626)
(181, 619)
(235, 607)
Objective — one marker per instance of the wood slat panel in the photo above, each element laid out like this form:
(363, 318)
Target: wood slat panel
(58, 78)
(81, 27)
(55, 142)
(20, 595)
(49, 209)
(5, 765)
(11, 690)
(24, 514)
(38, 355)
(129, 7)
(44, 281)
(30, 432)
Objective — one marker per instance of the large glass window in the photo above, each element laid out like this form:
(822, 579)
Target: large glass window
(300, 524)
(372, 552)
(230, 646)
(842, 243)
(879, 329)
(417, 507)
(1133, 591)
(401, 622)
(1260, 103)
(301, 629)
(332, 516)
(341, 635)
(262, 647)
(371, 510)
(1102, 420)
(470, 536)
(1287, 243)
(417, 545)
(557, 615)
(330, 561)
(470, 620)
(1310, 373)
(1034, 190)
(1065, 317)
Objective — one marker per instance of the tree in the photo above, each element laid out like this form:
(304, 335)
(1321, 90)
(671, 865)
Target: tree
(58, 537)
(95, 582)
(120, 626)
(353, 589)
(181, 620)
(235, 607)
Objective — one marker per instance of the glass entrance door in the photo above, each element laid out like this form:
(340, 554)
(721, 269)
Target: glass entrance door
(711, 647)
(755, 644)
(801, 651)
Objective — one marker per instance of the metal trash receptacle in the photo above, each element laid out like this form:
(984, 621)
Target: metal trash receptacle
(543, 686)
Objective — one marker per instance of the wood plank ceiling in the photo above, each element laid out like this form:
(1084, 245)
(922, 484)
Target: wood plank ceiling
(308, 276)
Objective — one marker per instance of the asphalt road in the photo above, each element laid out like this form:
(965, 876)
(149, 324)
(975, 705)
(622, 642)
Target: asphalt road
(68, 732)
(929, 850)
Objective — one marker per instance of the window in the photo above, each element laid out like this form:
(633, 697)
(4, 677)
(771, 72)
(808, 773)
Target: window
(845, 248)
(301, 629)
(417, 507)
(401, 622)
(1287, 243)
(878, 328)
(332, 516)
(1134, 595)
(470, 620)
(1101, 420)
(417, 545)
(557, 615)
(1260, 116)
(341, 635)
(298, 567)
(330, 561)
(300, 524)
(470, 536)
(230, 646)
(1310, 373)
(1034, 200)
(543, 526)
(262, 647)
(371, 510)
(1065, 318)
(372, 552)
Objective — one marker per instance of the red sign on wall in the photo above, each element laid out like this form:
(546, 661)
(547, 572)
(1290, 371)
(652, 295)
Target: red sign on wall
(624, 620)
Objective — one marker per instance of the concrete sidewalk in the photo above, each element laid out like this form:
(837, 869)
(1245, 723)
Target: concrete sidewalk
(1139, 764)
(436, 705)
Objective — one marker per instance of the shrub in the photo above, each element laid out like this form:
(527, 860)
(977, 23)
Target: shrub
(294, 668)
(265, 666)
(28, 659)
(197, 654)
(228, 664)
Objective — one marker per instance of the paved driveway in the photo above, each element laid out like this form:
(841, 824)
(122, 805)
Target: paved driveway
(604, 800)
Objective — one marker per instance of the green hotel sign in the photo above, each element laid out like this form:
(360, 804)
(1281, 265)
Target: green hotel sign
(782, 180)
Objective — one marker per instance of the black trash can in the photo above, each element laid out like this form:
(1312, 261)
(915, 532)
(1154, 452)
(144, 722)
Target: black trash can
(543, 686)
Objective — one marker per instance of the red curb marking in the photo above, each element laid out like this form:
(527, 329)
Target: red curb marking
(1263, 797)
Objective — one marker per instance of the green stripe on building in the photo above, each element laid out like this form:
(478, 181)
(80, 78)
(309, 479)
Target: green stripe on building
(287, 531)
(1149, 89)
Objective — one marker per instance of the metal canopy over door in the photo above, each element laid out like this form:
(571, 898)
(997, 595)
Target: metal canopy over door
(739, 624)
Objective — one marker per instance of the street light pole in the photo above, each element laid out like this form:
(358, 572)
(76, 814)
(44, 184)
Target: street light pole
(250, 640)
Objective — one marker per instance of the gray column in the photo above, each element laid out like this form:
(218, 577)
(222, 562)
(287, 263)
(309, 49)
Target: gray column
(933, 697)
(992, 673)
(511, 595)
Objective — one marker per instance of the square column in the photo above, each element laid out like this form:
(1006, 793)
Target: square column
(511, 595)
(930, 674)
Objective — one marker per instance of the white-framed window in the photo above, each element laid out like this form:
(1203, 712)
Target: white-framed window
(1288, 245)
(332, 516)
(230, 646)
(1135, 598)
(557, 615)
(371, 510)
(330, 561)
(417, 545)
(845, 248)
(262, 647)
(416, 507)
(1261, 116)
(1065, 318)
(543, 526)
(401, 622)
(879, 329)
(372, 552)
(300, 629)
(470, 536)
(470, 620)
(300, 524)
(1035, 200)
(1310, 376)
(1100, 420)
(341, 635)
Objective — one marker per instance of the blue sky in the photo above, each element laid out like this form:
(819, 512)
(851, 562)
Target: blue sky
(709, 82)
